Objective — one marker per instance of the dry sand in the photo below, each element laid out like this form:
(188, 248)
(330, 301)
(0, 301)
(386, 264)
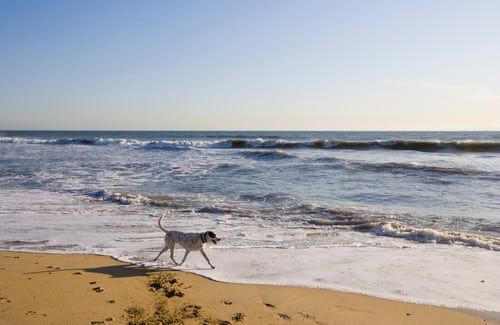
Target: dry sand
(87, 289)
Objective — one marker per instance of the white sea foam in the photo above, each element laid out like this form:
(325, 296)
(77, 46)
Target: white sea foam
(457, 277)
(121, 198)
(429, 235)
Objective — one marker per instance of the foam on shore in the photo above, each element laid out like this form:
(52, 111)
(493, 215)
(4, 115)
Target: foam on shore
(458, 278)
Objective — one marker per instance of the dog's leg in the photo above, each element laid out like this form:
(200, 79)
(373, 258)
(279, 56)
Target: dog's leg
(161, 252)
(185, 256)
(172, 255)
(206, 257)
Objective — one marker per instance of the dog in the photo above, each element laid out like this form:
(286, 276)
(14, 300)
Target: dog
(189, 241)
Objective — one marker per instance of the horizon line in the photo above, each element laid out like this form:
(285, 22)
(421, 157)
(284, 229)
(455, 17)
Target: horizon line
(248, 130)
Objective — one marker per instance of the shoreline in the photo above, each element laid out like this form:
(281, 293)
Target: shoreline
(49, 288)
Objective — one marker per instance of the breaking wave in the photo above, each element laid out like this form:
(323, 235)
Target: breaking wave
(266, 155)
(121, 198)
(133, 198)
(407, 168)
(429, 235)
(471, 146)
(415, 145)
(390, 226)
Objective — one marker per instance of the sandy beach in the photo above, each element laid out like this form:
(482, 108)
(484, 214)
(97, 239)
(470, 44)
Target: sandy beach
(89, 289)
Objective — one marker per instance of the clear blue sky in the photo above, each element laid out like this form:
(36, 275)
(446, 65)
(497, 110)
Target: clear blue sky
(253, 65)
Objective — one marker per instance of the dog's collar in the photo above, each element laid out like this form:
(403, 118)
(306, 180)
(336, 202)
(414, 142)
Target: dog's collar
(203, 237)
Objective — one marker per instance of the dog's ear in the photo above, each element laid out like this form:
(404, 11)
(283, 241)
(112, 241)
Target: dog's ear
(211, 234)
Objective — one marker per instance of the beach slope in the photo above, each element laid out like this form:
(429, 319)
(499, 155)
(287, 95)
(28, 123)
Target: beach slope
(40, 288)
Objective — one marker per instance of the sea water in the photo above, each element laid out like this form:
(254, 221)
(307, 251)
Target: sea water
(412, 216)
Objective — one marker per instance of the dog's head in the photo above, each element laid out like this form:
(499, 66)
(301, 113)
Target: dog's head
(211, 237)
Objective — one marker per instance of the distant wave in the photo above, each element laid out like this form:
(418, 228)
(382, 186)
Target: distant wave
(415, 145)
(407, 168)
(133, 143)
(423, 146)
(277, 144)
(63, 141)
(266, 155)
(413, 168)
(166, 145)
(430, 146)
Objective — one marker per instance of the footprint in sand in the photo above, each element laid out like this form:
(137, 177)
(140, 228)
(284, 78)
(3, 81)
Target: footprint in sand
(238, 317)
(4, 300)
(309, 317)
(284, 316)
(34, 313)
(98, 289)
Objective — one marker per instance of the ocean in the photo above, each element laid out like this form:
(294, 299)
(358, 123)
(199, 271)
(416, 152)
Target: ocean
(412, 216)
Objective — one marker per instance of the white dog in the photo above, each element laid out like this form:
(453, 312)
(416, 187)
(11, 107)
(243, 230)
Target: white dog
(190, 241)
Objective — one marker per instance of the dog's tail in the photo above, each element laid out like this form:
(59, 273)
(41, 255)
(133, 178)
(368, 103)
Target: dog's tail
(159, 222)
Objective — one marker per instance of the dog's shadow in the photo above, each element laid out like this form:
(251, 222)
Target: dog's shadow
(123, 271)
(115, 271)
(126, 270)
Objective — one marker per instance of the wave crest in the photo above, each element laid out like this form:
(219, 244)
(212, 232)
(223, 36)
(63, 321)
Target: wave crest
(266, 155)
(429, 235)
(472, 146)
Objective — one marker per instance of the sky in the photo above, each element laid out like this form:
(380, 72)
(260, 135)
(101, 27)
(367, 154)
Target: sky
(250, 65)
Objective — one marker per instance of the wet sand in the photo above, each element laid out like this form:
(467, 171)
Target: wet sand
(40, 288)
